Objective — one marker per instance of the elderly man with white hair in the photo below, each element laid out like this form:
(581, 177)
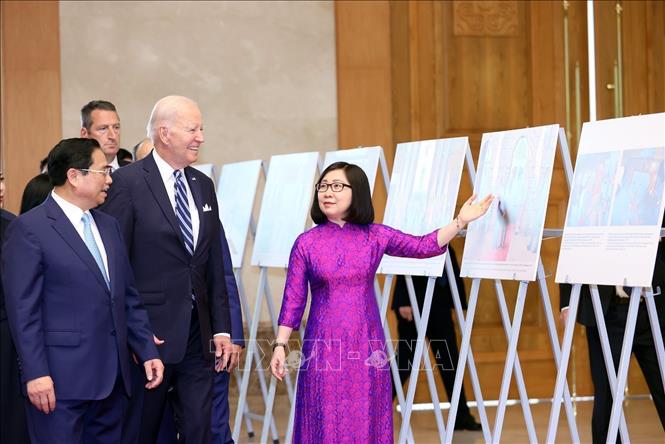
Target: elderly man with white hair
(169, 218)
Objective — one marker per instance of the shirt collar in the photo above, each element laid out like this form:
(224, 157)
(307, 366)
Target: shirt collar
(114, 163)
(165, 170)
(73, 213)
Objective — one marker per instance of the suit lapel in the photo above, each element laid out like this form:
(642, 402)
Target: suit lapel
(156, 185)
(66, 230)
(195, 188)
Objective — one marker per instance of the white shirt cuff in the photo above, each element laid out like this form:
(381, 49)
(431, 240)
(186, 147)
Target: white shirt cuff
(221, 334)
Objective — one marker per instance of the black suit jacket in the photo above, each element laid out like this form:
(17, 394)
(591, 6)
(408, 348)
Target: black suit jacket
(5, 218)
(442, 299)
(166, 274)
(585, 314)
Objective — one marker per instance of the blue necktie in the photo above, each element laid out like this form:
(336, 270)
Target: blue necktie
(182, 211)
(89, 240)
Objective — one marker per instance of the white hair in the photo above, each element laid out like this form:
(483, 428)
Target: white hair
(165, 110)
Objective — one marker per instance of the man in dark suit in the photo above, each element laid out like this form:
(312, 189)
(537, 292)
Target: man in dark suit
(169, 217)
(13, 426)
(440, 333)
(72, 307)
(614, 302)
(221, 432)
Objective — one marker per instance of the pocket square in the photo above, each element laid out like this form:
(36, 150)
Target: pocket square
(206, 208)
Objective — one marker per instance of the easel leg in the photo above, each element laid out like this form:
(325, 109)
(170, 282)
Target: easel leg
(519, 377)
(655, 332)
(397, 382)
(624, 362)
(475, 381)
(510, 361)
(556, 350)
(417, 358)
(428, 364)
(607, 352)
(242, 397)
(560, 383)
(461, 363)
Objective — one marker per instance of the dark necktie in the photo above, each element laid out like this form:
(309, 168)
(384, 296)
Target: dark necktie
(182, 211)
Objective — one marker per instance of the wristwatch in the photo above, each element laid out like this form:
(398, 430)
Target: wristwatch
(276, 344)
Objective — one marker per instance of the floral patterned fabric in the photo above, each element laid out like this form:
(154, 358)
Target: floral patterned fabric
(344, 392)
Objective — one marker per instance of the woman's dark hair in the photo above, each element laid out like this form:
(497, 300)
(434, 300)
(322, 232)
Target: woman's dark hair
(361, 210)
(69, 153)
(35, 192)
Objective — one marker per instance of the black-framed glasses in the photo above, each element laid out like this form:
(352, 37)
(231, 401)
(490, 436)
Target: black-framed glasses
(335, 186)
(107, 170)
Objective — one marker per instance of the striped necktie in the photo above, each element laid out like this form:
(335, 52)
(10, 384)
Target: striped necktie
(89, 240)
(182, 211)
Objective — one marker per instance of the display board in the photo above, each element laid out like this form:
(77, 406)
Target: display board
(236, 191)
(615, 209)
(365, 158)
(516, 167)
(208, 169)
(422, 196)
(286, 201)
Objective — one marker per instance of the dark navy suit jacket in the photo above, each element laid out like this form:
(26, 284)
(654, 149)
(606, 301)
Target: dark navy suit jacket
(65, 321)
(237, 334)
(166, 274)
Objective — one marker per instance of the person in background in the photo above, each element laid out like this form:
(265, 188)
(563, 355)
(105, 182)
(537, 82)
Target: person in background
(124, 157)
(440, 333)
(143, 148)
(13, 426)
(100, 121)
(35, 192)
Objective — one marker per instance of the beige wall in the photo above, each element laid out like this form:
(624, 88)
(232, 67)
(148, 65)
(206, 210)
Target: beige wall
(263, 74)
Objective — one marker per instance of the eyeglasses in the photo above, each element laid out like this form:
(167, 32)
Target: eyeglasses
(106, 171)
(335, 186)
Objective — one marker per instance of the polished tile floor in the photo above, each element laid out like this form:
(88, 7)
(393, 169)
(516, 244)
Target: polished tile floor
(642, 419)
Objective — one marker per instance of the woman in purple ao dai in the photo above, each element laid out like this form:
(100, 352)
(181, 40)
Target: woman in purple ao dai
(344, 392)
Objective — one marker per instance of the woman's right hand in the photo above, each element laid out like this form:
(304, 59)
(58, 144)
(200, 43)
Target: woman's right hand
(278, 363)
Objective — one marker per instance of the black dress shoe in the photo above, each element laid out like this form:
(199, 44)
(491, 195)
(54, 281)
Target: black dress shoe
(467, 423)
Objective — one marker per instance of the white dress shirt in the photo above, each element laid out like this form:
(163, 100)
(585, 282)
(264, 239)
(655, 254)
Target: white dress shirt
(75, 215)
(114, 163)
(166, 171)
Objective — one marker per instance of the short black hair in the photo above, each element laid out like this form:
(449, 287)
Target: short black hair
(124, 157)
(361, 211)
(43, 164)
(86, 111)
(69, 153)
(35, 192)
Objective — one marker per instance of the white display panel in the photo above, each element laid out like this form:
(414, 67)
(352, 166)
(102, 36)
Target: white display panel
(206, 168)
(365, 158)
(422, 196)
(236, 191)
(516, 167)
(616, 204)
(286, 201)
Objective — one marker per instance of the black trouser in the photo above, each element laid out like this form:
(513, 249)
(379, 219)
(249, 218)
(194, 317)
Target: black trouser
(643, 349)
(442, 341)
(13, 424)
(191, 403)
